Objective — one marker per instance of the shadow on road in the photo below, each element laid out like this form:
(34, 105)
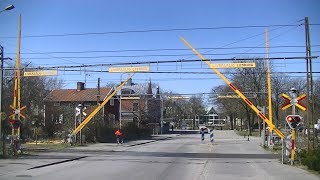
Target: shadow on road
(197, 155)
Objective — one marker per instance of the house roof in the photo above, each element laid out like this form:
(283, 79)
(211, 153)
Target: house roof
(140, 89)
(72, 95)
(212, 111)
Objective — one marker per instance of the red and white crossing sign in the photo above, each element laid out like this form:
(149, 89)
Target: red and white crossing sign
(293, 101)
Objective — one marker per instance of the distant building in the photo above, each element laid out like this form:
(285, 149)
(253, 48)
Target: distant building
(139, 104)
(211, 118)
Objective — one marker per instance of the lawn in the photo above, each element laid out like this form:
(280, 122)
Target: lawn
(242, 133)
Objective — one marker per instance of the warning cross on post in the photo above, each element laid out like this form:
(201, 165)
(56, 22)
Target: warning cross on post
(293, 101)
(20, 112)
(299, 103)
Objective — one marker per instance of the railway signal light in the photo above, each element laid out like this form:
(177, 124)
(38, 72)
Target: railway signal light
(293, 120)
(15, 123)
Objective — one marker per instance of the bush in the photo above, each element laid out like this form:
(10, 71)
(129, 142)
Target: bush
(132, 131)
(105, 133)
(311, 159)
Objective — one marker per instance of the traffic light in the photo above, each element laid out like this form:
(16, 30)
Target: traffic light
(15, 123)
(293, 120)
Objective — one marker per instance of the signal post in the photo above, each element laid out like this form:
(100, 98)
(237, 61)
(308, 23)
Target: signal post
(293, 120)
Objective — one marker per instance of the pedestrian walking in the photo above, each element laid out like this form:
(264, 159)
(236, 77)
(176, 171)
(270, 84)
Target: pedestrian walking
(118, 134)
(202, 134)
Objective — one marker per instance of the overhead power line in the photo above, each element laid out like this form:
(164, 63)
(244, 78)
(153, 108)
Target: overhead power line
(152, 30)
(165, 55)
(160, 49)
(170, 61)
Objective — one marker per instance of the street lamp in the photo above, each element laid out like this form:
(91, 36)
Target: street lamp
(8, 8)
(80, 120)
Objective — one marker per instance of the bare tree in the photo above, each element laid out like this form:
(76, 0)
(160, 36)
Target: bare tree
(196, 107)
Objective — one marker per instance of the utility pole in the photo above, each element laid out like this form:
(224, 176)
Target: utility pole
(310, 94)
(1, 93)
(98, 94)
(269, 85)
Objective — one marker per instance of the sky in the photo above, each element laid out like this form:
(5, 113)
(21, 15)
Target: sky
(69, 33)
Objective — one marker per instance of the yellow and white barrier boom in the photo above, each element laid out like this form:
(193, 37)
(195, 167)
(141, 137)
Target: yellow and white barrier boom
(93, 113)
(239, 93)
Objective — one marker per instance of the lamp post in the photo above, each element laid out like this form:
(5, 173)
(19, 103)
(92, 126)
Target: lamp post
(80, 120)
(1, 86)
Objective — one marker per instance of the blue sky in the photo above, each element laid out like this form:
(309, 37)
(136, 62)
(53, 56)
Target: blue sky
(73, 16)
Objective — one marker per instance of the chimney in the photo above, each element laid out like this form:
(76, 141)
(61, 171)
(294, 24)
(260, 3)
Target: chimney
(80, 86)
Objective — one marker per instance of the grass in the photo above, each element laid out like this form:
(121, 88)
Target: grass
(43, 146)
(242, 133)
(46, 145)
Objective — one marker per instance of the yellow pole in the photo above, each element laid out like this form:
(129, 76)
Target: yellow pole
(269, 80)
(293, 133)
(239, 93)
(18, 73)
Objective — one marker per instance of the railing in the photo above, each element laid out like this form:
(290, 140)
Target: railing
(216, 122)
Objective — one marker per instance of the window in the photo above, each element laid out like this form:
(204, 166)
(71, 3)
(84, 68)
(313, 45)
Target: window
(112, 102)
(56, 104)
(87, 104)
(135, 106)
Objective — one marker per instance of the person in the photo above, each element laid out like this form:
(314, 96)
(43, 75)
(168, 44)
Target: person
(118, 134)
(202, 134)
(70, 139)
(172, 128)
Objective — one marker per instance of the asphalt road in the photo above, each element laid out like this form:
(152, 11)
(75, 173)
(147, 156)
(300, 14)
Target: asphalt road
(182, 157)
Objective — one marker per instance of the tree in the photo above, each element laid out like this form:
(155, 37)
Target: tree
(196, 107)
(33, 90)
(253, 81)
(227, 106)
(279, 86)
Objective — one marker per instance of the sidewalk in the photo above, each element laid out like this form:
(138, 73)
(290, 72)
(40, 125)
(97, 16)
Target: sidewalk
(42, 159)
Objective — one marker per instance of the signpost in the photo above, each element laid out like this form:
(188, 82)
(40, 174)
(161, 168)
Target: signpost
(293, 120)
(233, 65)
(41, 73)
(230, 96)
(129, 69)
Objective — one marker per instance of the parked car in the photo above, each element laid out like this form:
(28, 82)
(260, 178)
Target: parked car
(184, 126)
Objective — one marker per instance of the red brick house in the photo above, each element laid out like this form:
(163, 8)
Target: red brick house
(138, 105)
(61, 104)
